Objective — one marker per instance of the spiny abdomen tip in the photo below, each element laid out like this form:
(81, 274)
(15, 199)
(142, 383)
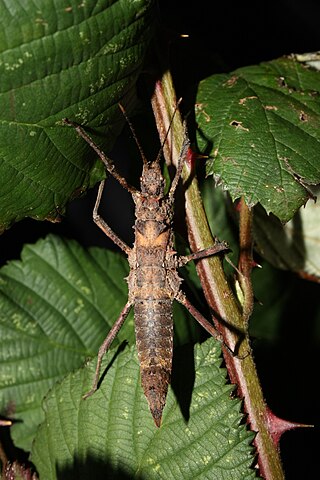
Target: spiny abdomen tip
(155, 383)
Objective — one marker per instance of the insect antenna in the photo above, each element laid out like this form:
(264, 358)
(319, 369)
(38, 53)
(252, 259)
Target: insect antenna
(183, 153)
(145, 161)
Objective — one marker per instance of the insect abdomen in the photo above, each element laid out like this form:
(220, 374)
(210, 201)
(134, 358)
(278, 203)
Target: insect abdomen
(154, 337)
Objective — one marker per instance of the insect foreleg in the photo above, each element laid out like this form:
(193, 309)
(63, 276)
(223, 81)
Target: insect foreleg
(206, 252)
(107, 162)
(104, 226)
(106, 344)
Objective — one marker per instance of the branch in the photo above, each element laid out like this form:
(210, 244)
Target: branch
(218, 294)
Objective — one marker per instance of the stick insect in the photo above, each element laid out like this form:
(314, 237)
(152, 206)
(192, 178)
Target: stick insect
(153, 281)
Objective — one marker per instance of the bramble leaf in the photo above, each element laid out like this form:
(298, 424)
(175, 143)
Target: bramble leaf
(113, 432)
(56, 307)
(57, 60)
(261, 124)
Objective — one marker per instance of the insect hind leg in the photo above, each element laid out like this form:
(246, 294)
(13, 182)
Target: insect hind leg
(181, 298)
(106, 344)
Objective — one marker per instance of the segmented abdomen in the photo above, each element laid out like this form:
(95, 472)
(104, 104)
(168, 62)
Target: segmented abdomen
(154, 338)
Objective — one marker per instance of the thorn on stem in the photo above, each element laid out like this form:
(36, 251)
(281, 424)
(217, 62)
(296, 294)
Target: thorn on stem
(277, 426)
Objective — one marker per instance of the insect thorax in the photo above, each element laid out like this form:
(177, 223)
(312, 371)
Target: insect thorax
(152, 182)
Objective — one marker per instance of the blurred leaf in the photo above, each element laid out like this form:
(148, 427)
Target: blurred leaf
(294, 246)
(273, 291)
(311, 59)
(261, 124)
(57, 60)
(113, 432)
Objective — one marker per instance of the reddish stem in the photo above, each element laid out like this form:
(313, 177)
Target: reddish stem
(219, 296)
(245, 258)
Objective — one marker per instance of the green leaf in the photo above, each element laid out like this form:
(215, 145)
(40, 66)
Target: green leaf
(57, 305)
(113, 433)
(262, 126)
(58, 59)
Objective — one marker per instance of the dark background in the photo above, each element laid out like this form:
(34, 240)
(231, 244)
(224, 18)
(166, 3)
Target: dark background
(224, 36)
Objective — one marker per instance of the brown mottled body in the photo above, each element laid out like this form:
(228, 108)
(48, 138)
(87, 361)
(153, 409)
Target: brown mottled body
(153, 280)
(153, 285)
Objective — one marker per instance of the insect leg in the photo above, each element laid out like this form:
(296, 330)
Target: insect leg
(206, 252)
(106, 344)
(104, 226)
(181, 298)
(107, 161)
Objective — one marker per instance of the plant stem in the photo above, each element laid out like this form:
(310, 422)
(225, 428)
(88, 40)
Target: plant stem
(245, 258)
(241, 368)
